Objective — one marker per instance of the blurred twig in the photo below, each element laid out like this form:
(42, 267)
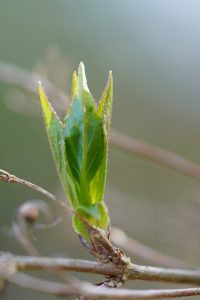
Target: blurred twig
(135, 272)
(121, 239)
(11, 267)
(118, 236)
(157, 154)
(28, 213)
(89, 290)
(9, 178)
(28, 81)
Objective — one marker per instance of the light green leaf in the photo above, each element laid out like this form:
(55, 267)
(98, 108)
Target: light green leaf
(74, 84)
(105, 104)
(85, 142)
(54, 129)
(79, 147)
(73, 89)
(97, 184)
(90, 213)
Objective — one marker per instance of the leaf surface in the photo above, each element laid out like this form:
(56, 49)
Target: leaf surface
(79, 148)
(105, 104)
(54, 129)
(90, 213)
(85, 143)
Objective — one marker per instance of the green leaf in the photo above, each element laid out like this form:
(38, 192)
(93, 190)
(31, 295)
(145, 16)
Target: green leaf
(105, 104)
(73, 134)
(79, 147)
(85, 142)
(73, 89)
(104, 111)
(54, 129)
(74, 83)
(97, 184)
(90, 213)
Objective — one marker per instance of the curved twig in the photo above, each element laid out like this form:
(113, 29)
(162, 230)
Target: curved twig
(121, 239)
(28, 213)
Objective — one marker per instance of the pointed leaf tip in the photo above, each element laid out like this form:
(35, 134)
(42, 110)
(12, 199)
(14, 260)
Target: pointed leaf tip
(73, 89)
(105, 104)
(46, 107)
(82, 77)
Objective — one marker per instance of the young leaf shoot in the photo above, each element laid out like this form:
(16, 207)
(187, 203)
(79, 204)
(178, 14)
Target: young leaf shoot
(79, 145)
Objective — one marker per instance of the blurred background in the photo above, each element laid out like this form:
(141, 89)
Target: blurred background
(153, 49)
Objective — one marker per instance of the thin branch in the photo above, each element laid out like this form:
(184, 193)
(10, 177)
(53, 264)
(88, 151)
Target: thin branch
(163, 274)
(159, 155)
(40, 285)
(10, 178)
(31, 263)
(28, 213)
(118, 236)
(135, 272)
(121, 239)
(28, 80)
(89, 290)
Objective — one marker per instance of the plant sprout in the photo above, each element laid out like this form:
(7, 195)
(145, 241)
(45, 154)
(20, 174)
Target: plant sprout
(79, 145)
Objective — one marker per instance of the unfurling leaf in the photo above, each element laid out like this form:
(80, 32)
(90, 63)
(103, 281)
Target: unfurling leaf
(79, 146)
(105, 104)
(54, 128)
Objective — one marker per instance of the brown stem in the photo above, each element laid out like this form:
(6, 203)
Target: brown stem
(135, 272)
(120, 238)
(89, 290)
(159, 155)
(9, 178)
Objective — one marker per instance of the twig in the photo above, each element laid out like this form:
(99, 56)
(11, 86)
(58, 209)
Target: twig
(28, 80)
(121, 239)
(163, 274)
(31, 263)
(159, 155)
(28, 213)
(89, 290)
(105, 293)
(135, 272)
(9, 178)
